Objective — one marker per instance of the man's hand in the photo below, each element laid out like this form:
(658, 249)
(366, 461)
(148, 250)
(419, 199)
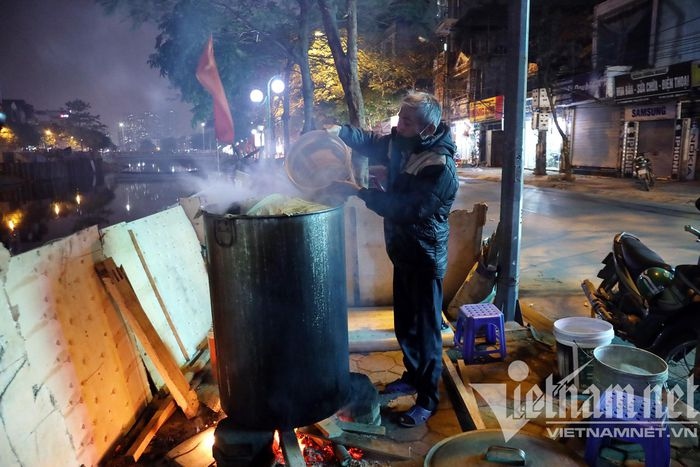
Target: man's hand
(333, 129)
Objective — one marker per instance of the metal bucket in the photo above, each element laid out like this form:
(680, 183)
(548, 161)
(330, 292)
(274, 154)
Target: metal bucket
(279, 308)
(622, 365)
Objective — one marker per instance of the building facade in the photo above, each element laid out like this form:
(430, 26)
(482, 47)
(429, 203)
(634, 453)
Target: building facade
(639, 96)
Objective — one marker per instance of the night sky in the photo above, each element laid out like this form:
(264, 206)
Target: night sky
(54, 51)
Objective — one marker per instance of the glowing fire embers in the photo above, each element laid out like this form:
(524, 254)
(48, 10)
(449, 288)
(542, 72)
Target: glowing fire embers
(317, 451)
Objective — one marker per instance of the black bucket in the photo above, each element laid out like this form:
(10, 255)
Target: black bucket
(279, 308)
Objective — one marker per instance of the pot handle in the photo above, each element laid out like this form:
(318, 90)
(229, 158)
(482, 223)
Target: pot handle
(224, 232)
(506, 455)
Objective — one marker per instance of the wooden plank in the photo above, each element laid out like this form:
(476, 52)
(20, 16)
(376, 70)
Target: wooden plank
(538, 320)
(329, 428)
(463, 247)
(152, 281)
(465, 397)
(159, 418)
(117, 284)
(362, 428)
(470, 401)
(290, 449)
(371, 329)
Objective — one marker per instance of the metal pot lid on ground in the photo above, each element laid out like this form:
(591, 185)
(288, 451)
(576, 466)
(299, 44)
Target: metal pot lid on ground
(488, 448)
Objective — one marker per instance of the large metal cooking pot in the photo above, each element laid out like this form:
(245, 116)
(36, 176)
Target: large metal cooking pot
(487, 448)
(279, 310)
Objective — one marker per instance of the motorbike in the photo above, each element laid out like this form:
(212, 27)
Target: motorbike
(650, 303)
(643, 171)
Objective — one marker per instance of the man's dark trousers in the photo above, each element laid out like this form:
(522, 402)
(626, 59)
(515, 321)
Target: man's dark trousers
(417, 322)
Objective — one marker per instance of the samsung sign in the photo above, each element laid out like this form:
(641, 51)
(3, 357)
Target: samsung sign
(650, 112)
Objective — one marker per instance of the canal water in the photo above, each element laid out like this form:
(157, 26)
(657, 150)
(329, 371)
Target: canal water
(34, 214)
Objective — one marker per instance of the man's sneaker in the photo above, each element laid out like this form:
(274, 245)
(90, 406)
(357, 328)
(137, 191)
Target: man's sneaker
(399, 387)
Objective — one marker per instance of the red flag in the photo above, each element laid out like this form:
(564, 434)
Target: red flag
(208, 76)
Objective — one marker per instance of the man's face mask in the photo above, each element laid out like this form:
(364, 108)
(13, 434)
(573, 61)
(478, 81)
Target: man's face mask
(412, 142)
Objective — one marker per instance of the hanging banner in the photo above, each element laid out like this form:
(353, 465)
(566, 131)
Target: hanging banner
(692, 150)
(677, 147)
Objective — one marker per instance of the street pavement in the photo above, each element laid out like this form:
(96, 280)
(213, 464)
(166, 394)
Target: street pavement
(562, 295)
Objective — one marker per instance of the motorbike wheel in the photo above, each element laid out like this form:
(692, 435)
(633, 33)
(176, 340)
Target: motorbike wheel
(645, 182)
(680, 359)
(652, 179)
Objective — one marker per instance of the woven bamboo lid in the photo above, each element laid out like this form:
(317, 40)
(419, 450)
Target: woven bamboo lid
(316, 159)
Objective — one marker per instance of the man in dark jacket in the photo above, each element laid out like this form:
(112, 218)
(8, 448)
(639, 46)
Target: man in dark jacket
(415, 203)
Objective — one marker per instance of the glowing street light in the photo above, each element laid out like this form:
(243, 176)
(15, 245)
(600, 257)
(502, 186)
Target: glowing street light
(121, 130)
(203, 124)
(274, 85)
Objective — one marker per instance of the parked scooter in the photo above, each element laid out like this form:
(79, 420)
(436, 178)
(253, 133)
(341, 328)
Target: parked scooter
(651, 304)
(643, 171)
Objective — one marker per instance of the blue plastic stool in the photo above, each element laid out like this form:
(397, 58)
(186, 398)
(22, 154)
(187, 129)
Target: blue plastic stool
(476, 321)
(621, 411)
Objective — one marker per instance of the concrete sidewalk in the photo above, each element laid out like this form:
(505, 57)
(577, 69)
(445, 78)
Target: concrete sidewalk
(670, 194)
(546, 295)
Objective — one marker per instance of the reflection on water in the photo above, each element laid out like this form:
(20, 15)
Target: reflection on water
(33, 214)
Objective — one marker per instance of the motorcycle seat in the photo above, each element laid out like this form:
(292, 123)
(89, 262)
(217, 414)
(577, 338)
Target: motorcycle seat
(637, 255)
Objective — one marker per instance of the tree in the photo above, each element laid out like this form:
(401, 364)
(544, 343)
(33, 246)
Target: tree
(345, 60)
(84, 127)
(251, 39)
(383, 79)
(381, 71)
(254, 39)
(15, 135)
(560, 40)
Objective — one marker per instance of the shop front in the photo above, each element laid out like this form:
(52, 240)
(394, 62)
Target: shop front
(463, 134)
(660, 119)
(477, 129)
(486, 116)
(650, 130)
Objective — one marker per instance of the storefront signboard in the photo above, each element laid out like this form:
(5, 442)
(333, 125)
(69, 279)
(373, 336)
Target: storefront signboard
(654, 82)
(650, 112)
(581, 88)
(486, 110)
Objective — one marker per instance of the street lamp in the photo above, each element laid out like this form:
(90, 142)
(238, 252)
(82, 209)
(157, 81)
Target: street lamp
(122, 142)
(274, 85)
(203, 124)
